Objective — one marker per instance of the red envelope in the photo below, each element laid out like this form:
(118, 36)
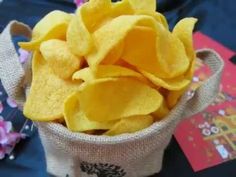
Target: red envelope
(209, 138)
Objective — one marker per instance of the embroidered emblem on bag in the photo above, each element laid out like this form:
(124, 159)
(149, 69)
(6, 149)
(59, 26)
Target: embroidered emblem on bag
(102, 170)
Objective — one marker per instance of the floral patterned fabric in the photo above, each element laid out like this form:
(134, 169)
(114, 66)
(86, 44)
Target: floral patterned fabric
(79, 2)
(8, 138)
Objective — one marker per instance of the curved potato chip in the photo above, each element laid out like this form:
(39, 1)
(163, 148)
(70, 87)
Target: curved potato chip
(79, 39)
(112, 33)
(170, 84)
(171, 56)
(59, 58)
(47, 92)
(190, 72)
(77, 121)
(90, 17)
(162, 18)
(95, 13)
(112, 99)
(121, 8)
(173, 97)
(85, 74)
(183, 30)
(48, 22)
(130, 125)
(105, 71)
(143, 5)
(161, 112)
(114, 54)
(157, 16)
(136, 51)
(155, 59)
(52, 26)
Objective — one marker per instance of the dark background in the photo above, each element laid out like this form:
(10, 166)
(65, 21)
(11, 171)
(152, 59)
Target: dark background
(216, 19)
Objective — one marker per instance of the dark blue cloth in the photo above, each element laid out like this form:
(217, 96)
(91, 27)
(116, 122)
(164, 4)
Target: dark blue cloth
(216, 19)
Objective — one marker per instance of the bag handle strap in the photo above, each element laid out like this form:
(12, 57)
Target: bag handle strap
(11, 70)
(208, 91)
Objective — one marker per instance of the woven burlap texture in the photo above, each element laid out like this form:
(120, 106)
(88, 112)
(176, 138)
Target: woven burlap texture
(81, 155)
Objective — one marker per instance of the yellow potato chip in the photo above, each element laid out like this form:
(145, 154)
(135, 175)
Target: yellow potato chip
(77, 121)
(148, 8)
(143, 5)
(85, 74)
(121, 8)
(173, 97)
(79, 39)
(48, 22)
(113, 33)
(95, 13)
(89, 18)
(130, 125)
(189, 74)
(136, 51)
(183, 30)
(162, 112)
(157, 16)
(114, 54)
(171, 56)
(52, 26)
(105, 71)
(112, 99)
(155, 59)
(170, 84)
(144, 8)
(59, 58)
(47, 92)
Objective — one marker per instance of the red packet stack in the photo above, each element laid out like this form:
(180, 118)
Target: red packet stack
(209, 138)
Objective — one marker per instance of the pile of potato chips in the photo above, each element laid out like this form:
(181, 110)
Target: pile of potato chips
(111, 68)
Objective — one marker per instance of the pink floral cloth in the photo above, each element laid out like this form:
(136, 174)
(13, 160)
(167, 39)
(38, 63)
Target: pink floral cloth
(8, 138)
(79, 2)
(23, 55)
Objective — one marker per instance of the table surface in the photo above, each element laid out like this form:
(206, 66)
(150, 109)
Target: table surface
(216, 19)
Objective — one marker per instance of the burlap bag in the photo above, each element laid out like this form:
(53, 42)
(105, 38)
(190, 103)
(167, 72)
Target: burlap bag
(79, 155)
